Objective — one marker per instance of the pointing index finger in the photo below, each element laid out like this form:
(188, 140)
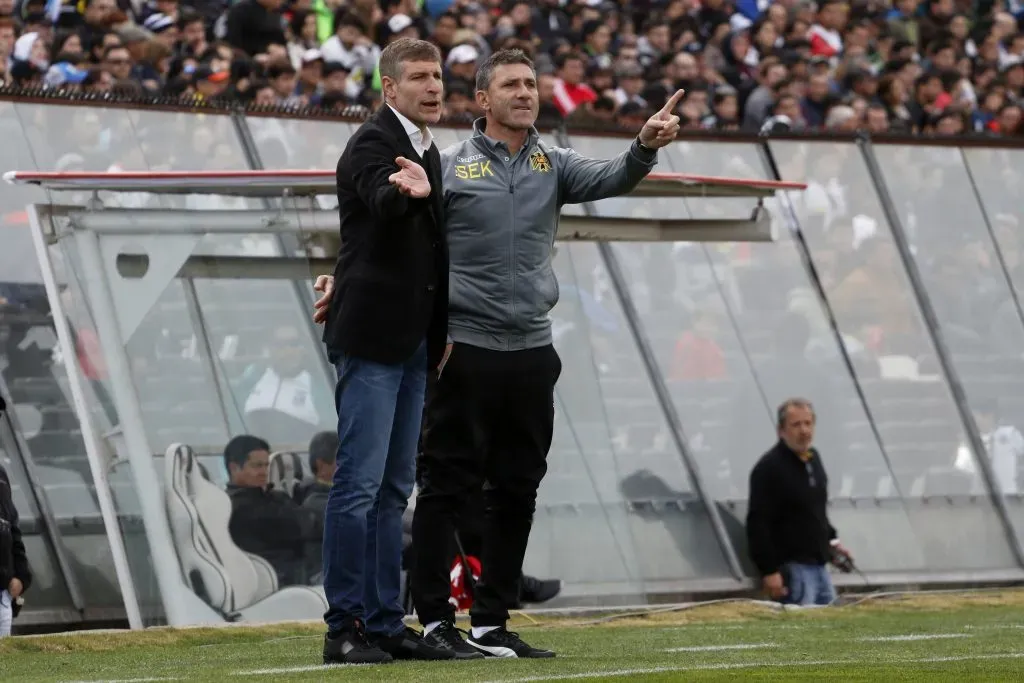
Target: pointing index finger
(673, 101)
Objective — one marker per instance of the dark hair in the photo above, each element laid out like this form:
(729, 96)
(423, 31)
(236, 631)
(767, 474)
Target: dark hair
(485, 72)
(406, 50)
(780, 417)
(238, 449)
(323, 447)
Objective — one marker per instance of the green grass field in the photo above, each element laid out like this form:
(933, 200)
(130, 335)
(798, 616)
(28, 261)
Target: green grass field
(937, 637)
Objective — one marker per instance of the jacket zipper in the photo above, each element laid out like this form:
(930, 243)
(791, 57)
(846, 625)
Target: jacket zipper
(512, 237)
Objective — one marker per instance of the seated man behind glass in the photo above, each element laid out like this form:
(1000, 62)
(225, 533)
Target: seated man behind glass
(284, 395)
(265, 522)
(323, 454)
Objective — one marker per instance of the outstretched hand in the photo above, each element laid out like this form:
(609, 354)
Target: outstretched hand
(410, 179)
(662, 128)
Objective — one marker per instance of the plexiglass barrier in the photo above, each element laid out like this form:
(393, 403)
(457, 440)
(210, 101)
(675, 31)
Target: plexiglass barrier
(731, 330)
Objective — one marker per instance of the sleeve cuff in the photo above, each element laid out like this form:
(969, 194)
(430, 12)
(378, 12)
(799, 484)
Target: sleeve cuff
(644, 154)
(834, 542)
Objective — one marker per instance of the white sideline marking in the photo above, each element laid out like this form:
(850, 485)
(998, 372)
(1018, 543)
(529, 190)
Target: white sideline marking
(294, 669)
(131, 680)
(914, 636)
(748, 665)
(715, 648)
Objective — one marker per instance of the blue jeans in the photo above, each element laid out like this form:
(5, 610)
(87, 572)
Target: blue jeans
(808, 584)
(379, 412)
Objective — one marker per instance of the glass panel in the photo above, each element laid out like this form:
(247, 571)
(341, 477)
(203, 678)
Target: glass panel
(628, 207)
(853, 251)
(764, 297)
(74, 501)
(260, 337)
(34, 370)
(220, 348)
(612, 454)
(979, 309)
(49, 591)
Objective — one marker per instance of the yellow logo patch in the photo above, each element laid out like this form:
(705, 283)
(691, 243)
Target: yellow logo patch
(539, 162)
(473, 171)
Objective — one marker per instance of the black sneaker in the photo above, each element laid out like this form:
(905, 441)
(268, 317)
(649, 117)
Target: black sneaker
(501, 642)
(349, 646)
(446, 636)
(535, 590)
(410, 644)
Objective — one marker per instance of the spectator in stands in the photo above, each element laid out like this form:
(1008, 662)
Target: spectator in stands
(790, 538)
(15, 576)
(282, 395)
(265, 522)
(971, 62)
(323, 454)
(1004, 446)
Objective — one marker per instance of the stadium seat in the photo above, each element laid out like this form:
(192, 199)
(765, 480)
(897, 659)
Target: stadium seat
(285, 471)
(239, 585)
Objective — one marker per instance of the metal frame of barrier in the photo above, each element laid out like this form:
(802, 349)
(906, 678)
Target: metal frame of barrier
(99, 234)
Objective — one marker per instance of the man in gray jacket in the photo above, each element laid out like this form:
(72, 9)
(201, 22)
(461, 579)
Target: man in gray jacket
(490, 415)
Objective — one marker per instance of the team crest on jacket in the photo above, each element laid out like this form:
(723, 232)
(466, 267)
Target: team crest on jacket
(539, 162)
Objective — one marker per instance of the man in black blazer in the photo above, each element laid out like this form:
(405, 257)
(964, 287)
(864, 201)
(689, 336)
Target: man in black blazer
(386, 327)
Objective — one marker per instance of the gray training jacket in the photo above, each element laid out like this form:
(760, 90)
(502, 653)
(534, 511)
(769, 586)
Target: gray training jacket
(501, 216)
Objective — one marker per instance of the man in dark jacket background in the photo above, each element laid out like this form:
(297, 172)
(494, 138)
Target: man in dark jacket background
(15, 576)
(790, 538)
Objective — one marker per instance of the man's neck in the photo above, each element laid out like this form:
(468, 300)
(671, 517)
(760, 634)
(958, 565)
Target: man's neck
(421, 126)
(513, 139)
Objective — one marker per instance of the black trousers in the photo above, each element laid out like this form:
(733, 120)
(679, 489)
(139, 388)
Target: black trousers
(488, 423)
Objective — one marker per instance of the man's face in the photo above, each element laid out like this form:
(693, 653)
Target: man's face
(194, 34)
(255, 473)
(464, 70)
(98, 10)
(798, 429)
(325, 470)
(457, 103)
(312, 72)
(684, 67)
(546, 88)
(632, 86)
(284, 84)
(600, 39)
(817, 91)
(336, 81)
(118, 62)
(7, 41)
(659, 37)
(444, 31)
(287, 352)
(572, 71)
(348, 35)
(512, 98)
(418, 91)
(877, 120)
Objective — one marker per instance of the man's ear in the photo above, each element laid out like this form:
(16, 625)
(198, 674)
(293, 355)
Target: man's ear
(482, 100)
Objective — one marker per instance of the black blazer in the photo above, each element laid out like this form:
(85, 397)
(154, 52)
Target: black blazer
(391, 279)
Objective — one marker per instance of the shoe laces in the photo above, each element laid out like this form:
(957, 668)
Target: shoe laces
(504, 635)
(448, 633)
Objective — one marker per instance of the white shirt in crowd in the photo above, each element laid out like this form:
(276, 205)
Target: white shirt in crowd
(292, 396)
(1005, 447)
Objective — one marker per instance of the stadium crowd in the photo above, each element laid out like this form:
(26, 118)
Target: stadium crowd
(933, 66)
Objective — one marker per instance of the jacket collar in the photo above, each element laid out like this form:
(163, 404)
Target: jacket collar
(480, 137)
